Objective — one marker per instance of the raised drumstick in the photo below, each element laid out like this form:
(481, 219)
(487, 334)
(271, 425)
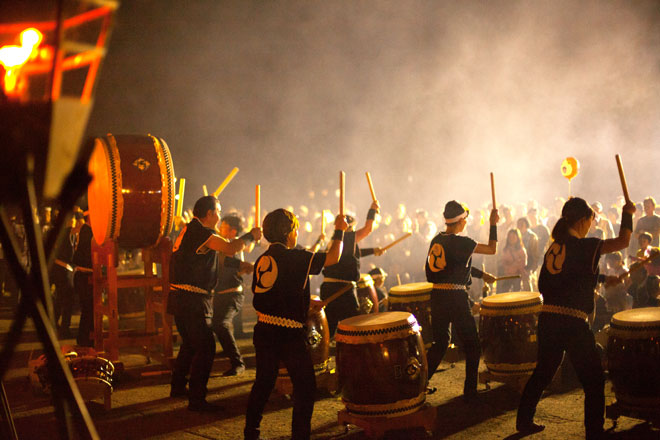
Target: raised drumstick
(225, 182)
(342, 190)
(257, 207)
(205, 191)
(371, 186)
(182, 190)
(492, 189)
(622, 177)
(397, 241)
(323, 222)
(398, 279)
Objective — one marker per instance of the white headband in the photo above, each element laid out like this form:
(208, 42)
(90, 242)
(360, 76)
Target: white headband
(457, 218)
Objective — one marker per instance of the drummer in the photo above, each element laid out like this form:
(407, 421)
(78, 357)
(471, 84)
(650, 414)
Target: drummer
(379, 276)
(282, 300)
(567, 281)
(347, 271)
(448, 267)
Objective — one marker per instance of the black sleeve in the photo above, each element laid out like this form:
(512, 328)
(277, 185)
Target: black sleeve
(232, 263)
(476, 273)
(366, 252)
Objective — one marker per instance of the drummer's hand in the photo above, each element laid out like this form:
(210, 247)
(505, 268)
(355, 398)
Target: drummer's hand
(494, 217)
(379, 251)
(316, 305)
(375, 205)
(245, 267)
(256, 233)
(611, 281)
(340, 223)
(488, 278)
(629, 207)
(476, 308)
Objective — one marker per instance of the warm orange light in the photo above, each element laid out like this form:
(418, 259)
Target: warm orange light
(13, 57)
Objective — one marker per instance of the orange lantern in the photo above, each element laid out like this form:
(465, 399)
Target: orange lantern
(570, 167)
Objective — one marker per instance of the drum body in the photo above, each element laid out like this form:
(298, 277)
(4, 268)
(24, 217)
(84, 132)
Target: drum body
(633, 357)
(131, 196)
(414, 298)
(508, 332)
(367, 296)
(318, 343)
(381, 364)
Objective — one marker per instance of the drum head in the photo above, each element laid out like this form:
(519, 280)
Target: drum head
(412, 288)
(504, 300)
(377, 327)
(644, 317)
(100, 191)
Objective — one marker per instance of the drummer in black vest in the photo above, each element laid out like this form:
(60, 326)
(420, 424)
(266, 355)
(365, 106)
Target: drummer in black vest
(567, 281)
(193, 275)
(282, 300)
(448, 267)
(347, 272)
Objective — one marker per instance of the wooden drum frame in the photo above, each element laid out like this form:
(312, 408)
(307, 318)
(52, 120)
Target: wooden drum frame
(414, 298)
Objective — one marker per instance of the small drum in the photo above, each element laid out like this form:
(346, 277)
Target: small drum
(366, 293)
(633, 357)
(508, 329)
(131, 196)
(381, 364)
(318, 343)
(414, 298)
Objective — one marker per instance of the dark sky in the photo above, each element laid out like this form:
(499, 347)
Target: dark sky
(429, 96)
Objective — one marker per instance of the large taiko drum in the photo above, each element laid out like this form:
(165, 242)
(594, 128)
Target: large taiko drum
(367, 296)
(508, 332)
(318, 343)
(381, 364)
(633, 357)
(131, 196)
(414, 298)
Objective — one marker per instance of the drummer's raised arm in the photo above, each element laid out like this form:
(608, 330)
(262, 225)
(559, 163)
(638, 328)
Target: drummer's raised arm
(368, 227)
(491, 247)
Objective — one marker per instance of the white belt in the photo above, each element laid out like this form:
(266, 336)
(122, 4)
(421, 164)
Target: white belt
(337, 280)
(449, 286)
(189, 288)
(232, 289)
(278, 321)
(566, 311)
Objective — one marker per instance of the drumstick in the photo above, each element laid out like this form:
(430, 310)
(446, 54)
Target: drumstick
(371, 186)
(492, 189)
(638, 265)
(398, 240)
(342, 188)
(323, 222)
(205, 191)
(225, 182)
(398, 279)
(257, 206)
(337, 294)
(182, 189)
(507, 277)
(622, 177)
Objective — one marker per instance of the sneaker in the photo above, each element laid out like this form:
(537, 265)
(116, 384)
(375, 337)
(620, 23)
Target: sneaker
(204, 406)
(235, 371)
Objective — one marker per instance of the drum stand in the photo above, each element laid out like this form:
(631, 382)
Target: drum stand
(376, 427)
(106, 280)
(617, 409)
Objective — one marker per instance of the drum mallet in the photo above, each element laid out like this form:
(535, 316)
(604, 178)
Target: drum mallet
(337, 294)
(622, 177)
(182, 189)
(507, 277)
(492, 189)
(397, 241)
(257, 206)
(371, 187)
(225, 182)
(205, 191)
(342, 190)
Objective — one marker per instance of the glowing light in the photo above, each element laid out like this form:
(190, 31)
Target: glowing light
(13, 57)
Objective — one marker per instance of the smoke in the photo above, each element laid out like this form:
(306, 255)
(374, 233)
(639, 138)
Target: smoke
(429, 96)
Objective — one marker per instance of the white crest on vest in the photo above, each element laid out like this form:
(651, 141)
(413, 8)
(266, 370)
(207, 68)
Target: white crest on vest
(266, 272)
(436, 258)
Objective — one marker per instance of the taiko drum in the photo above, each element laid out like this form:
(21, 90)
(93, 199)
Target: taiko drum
(633, 357)
(414, 298)
(366, 293)
(131, 196)
(508, 332)
(381, 364)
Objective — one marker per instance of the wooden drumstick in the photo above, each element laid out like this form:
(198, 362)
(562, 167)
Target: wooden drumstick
(507, 277)
(205, 191)
(638, 265)
(397, 241)
(342, 190)
(257, 207)
(337, 294)
(622, 176)
(492, 189)
(371, 187)
(398, 279)
(323, 222)
(182, 189)
(225, 182)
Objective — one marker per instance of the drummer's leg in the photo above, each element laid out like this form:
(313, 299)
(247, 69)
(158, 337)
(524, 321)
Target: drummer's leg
(464, 325)
(550, 355)
(298, 362)
(584, 356)
(440, 319)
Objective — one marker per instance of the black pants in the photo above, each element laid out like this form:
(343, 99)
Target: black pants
(345, 306)
(193, 315)
(273, 344)
(558, 334)
(85, 292)
(453, 306)
(225, 307)
(64, 297)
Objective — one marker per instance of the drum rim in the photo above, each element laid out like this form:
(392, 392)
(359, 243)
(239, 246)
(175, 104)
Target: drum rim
(499, 300)
(404, 318)
(422, 288)
(630, 319)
